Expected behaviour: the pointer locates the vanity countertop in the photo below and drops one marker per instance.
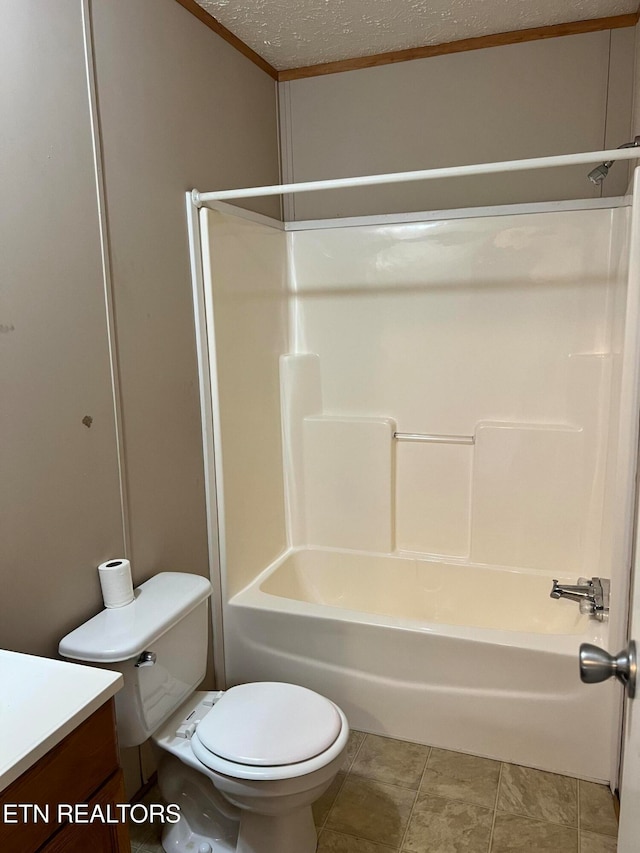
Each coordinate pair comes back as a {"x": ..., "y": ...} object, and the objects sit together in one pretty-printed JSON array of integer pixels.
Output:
[{"x": 41, "y": 702}]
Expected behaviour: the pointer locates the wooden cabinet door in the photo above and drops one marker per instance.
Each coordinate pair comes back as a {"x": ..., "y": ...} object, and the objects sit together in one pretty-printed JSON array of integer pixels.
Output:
[
  {"x": 72, "y": 772},
  {"x": 95, "y": 837}
]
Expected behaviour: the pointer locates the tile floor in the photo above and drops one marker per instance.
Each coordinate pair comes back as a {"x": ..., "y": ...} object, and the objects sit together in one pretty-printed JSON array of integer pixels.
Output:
[{"x": 398, "y": 797}]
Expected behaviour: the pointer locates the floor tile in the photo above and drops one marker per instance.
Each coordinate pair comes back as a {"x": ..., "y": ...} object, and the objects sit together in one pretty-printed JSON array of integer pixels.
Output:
[
  {"x": 321, "y": 806},
  {"x": 353, "y": 745},
  {"x": 395, "y": 762},
  {"x": 336, "y": 842},
  {"x": 461, "y": 777},
  {"x": 538, "y": 794},
  {"x": 138, "y": 832},
  {"x": 151, "y": 847},
  {"x": 447, "y": 826},
  {"x": 146, "y": 836},
  {"x": 152, "y": 841},
  {"x": 153, "y": 795},
  {"x": 514, "y": 834},
  {"x": 372, "y": 807},
  {"x": 371, "y": 810},
  {"x": 591, "y": 842},
  {"x": 597, "y": 813}
]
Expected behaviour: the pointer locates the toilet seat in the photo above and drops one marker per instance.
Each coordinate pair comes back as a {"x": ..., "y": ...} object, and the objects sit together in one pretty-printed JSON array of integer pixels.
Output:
[
  {"x": 269, "y": 723},
  {"x": 270, "y": 730}
]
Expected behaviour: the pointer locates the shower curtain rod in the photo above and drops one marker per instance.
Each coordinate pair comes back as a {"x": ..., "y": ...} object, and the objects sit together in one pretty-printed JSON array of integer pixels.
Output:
[{"x": 582, "y": 158}]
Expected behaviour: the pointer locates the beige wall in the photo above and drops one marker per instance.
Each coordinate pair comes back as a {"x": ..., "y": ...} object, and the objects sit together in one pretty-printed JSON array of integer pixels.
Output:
[
  {"x": 178, "y": 108},
  {"x": 60, "y": 501},
  {"x": 525, "y": 100},
  {"x": 635, "y": 121}
]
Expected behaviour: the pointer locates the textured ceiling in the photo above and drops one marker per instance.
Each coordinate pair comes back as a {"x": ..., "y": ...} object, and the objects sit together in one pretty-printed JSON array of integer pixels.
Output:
[{"x": 293, "y": 33}]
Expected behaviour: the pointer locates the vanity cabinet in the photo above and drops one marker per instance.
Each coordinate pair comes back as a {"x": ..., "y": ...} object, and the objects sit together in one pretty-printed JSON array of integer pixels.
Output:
[{"x": 82, "y": 768}]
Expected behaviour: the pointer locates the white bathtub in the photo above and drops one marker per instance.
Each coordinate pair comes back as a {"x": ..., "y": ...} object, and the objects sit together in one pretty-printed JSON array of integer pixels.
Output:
[{"x": 471, "y": 658}]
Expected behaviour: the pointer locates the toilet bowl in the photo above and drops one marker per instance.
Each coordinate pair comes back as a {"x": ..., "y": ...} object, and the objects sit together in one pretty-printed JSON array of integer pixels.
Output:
[
  {"x": 271, "y": 803},
  {"x": 244, "y": 765}
]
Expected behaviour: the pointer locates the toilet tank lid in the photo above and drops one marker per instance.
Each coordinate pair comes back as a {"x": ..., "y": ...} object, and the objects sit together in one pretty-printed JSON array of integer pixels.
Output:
[{"x": 120, "y": 633}]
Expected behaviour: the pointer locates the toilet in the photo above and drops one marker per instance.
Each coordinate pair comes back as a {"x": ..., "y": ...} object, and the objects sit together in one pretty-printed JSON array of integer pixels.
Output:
[{"x": 245, "y": 764}]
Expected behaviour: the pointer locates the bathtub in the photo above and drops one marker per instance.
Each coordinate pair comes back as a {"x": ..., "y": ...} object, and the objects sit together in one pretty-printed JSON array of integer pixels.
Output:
[{"x": 470, "y": 658}]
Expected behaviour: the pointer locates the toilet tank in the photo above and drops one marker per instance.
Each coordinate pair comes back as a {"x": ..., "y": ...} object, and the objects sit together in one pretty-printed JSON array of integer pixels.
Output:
[{"x": 168, "y": 620}]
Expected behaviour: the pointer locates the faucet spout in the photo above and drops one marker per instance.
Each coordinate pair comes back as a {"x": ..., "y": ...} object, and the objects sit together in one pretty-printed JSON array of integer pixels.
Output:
[{"x": 578, "y": 592}]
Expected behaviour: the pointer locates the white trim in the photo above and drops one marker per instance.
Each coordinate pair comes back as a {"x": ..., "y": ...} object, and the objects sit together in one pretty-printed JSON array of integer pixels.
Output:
[
  {"x": 107, "y": 277},
  {"x": 210, "y": 425},
  {"x": 584, "y": 158},
  {"x": 240, "y": 212},
  {"x": 461, "y": 213},
  {"x": 418, "y": 216},
  {"x": 626, "y": 475}
]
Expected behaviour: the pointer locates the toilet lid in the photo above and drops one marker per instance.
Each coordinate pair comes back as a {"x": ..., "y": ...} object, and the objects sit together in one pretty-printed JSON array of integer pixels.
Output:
[{"x": 269, "y": 724}]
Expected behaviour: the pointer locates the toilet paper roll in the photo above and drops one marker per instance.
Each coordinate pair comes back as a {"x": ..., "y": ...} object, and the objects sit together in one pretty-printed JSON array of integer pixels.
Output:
[{"x": 115, "y": 580}]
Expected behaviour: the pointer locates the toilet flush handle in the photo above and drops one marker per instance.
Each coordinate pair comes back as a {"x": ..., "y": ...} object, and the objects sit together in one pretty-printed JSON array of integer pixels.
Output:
[{"x": 146, "y": 659}]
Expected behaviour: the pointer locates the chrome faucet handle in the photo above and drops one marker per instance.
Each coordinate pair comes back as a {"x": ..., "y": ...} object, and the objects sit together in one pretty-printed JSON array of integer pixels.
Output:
[{"x": 592, "y": 595}]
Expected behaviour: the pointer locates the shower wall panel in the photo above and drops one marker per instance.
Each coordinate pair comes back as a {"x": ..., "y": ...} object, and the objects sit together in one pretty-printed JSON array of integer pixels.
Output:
[
  {"x": 301, "y": 396},
  {"x": 530, "y": 489},
  {"x": 348, "y": 477},
  {"x": 245, "y": 287},
  {"x": 435, "y": 516},
  {"x": 498, "y": 328}
]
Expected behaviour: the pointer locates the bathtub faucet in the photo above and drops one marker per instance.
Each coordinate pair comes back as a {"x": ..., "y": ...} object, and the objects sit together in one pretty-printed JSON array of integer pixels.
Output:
[{"x": 592, "y": 595}]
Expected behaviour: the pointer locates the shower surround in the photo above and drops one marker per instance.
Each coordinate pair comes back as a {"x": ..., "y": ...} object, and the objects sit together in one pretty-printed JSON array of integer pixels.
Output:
[{"x": 416, "y": 429}]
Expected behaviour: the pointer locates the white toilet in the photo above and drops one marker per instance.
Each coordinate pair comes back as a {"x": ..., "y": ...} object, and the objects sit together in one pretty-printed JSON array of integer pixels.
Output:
[{"x": 245, "y": 764}]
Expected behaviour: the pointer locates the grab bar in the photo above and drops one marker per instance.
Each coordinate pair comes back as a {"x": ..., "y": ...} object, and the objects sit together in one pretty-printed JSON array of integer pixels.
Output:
[{"x": 434, "y": 439}]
